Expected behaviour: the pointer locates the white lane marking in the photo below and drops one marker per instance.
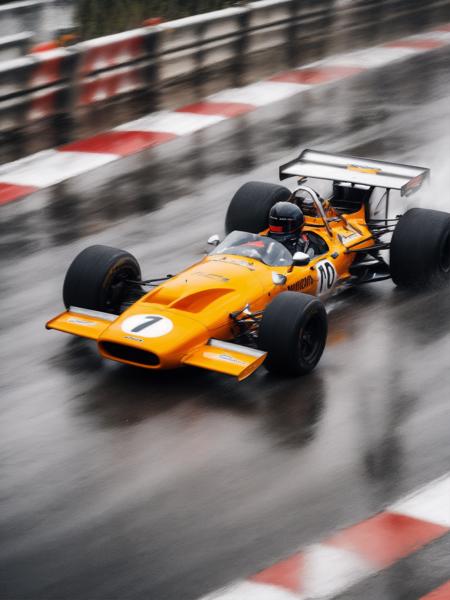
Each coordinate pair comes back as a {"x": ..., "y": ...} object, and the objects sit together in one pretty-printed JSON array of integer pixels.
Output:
[
  {"x": 329, "y": 571},
  {"x": 370, "y": 58},
  {"x": 430, "y": 503},
  {"x": 45, "y": 169},
  {"x": 260, "y": 93},
  {"x": 178, "y": 123},
  {"x": 250, "y": 590}
]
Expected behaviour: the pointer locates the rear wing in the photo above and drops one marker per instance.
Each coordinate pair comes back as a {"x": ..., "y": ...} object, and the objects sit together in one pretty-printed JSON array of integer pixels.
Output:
[{"x": 353, "y": 170}]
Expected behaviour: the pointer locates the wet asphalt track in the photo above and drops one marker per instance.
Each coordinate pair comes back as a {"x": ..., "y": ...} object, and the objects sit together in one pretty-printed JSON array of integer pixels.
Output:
[{"x": 119, "y": 483}]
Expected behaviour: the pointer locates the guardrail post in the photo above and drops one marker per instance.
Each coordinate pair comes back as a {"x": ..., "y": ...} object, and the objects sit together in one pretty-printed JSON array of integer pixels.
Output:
[
  {"x": 151, "y": 92},
  {"x": 291, "y": 33},
  {"x": 199, "y": 75},
  {"x": 63, "y": 119},
  {"x": 239, "y": 67},
  {"x": 63, "y": 123}
]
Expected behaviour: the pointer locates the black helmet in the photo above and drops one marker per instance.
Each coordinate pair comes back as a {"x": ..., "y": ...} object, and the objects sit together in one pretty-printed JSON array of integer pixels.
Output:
[{"x": 285, "y": 223}]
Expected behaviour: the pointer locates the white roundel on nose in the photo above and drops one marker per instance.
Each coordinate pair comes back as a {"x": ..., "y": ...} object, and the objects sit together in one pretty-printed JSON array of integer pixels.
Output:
[{"x": 150, "y": 326}]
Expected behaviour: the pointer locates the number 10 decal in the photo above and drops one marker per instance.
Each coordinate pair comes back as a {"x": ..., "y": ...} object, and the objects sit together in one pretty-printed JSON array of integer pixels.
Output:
[{"x": 327, "y": 276}]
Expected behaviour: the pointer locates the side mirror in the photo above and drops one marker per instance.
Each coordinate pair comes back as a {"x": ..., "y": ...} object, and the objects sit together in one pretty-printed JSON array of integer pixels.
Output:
[
  {"x": 214, "y": 240},
  {"x": 301, "y": 259},
  {"x": 279, "y": 279}
]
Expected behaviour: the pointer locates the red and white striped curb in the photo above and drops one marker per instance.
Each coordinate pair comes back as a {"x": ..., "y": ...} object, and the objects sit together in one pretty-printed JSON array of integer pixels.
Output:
[
  {"x": 50, "y": 167},
  {"x": 323, "y": 570}
]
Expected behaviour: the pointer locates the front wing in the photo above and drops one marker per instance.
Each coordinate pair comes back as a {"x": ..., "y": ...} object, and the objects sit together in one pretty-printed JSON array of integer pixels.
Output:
[
  {"x": 216, "y": 355},
  {"x": 226, "y": 357}
]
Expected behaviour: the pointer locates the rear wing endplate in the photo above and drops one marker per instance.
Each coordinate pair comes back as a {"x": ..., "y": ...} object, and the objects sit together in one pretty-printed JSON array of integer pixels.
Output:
[{"x": 354, "y": 170}]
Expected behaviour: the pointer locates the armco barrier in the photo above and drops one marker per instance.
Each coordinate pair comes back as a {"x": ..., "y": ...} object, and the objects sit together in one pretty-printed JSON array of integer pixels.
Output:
[
  {"x": 31, "y": 15},
  {"x": 192, "y": 45},
  {"x": 112, "y": 51},
  {"x": 37, "y": 89},
  {"x": 13, "y": 46},
  {"x": 65, "y": 90},
  {"x": 115, "y": 66}
]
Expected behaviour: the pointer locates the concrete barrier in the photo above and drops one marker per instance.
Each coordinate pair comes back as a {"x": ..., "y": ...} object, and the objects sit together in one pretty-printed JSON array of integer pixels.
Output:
[{"x": 66, "y": 92}]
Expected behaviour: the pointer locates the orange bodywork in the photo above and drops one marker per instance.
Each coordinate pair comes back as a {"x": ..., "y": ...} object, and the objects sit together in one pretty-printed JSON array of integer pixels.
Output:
[{"x": 186, "y": 320}]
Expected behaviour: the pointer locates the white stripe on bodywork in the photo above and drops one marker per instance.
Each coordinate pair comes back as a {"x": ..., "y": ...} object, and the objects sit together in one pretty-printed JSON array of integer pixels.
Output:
[
  {"x": 260, "y": 94},
  {"x": 236, "y": 348},
  {"x": 178, "y": 123},
  {"x": 95, "y": 314},
  {"x": 48, "y": 168}
]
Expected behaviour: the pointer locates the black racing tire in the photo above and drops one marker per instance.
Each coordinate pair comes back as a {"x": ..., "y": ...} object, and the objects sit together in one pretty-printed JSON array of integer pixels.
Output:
[
  {"x": 95, "y": 279},
  {"x": 250, "y": 206},
  {"x": 420, "y": 249},
  {"x": 293, "y": 332}
]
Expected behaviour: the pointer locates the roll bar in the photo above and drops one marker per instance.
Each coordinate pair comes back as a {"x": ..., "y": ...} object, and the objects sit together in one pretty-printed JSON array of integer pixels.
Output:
[{"x": 317, "y": 202}]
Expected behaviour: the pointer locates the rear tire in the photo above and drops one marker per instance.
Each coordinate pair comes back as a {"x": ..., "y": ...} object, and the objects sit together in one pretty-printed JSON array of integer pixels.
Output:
[
  {"x": 250, "y": 206},
  {"x": 420, "y": 249},
  {"x": 293, "y": 332},
  {"x": 96, "y": 279}
]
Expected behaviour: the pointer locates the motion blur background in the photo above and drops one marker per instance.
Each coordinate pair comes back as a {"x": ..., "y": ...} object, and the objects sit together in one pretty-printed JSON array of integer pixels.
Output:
[
  {"x": 118, "y": 483},
  {"x": 92, "y": 18}
]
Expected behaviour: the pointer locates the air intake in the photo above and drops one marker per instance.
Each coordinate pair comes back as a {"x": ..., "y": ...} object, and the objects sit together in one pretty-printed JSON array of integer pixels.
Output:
[{"x": 130, "y": 354}]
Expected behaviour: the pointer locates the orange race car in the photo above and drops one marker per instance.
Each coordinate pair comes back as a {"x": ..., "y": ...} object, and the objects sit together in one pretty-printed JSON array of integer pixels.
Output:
[{"x": 257, "y": 297}]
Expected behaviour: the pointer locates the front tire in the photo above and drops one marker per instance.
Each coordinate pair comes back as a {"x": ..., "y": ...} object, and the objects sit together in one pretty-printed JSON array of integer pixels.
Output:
[
  {"x": 420, "y": 249},
  {"x": 96, "y": 279},
  {"x": 293, "y": 332},
  {"x": 250, "y": 206}
]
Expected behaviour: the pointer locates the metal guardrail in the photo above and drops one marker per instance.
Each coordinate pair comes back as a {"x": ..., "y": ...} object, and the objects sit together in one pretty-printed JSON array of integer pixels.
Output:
[
  {"x": 38, "y": 20},
  {"x": 30, "y": 15},
  {"x": 12, "y": 46},
  {"x": 57, "y": 88}
]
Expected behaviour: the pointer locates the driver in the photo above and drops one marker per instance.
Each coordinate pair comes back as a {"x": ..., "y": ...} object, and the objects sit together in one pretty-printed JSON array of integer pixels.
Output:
[{"x": 286, "y": 222}]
